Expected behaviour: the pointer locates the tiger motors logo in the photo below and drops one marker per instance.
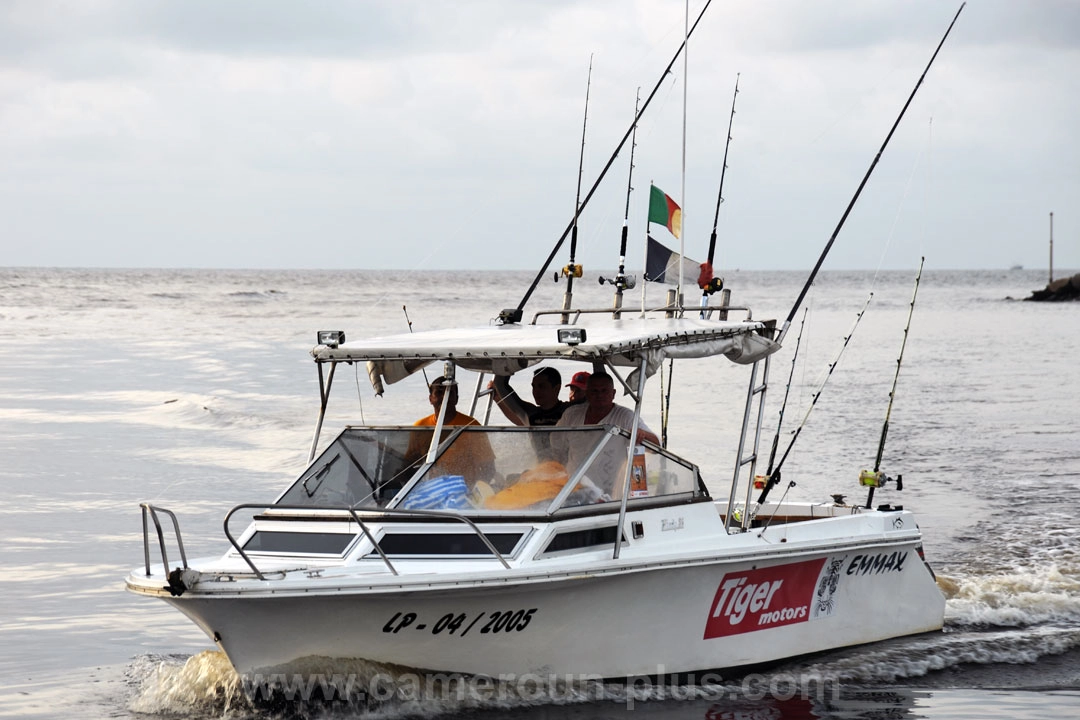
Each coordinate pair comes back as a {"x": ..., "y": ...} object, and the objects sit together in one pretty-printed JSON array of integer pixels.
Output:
[{"x": 772, "y": 597}]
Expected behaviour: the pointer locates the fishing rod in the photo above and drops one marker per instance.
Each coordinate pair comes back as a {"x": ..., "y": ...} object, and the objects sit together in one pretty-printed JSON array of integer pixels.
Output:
[
  {"x": 514, "y": 314},
  {"x": 709, "y": 283},
  {"x": 622, "y": 281},
  {"x": 787, "y": 391},
  {"x": 423, "y": 370},
  {"x": 843, "y": 218},
  {"x": 573, "y": 270},
  {"x": 877, "y": 478},
  {"x": 774, "y": 475},
  {"x": 665, "y": 403}
]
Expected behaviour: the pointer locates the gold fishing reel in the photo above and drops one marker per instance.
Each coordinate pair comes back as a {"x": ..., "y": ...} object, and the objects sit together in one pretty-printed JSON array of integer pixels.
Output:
[{"x": 571, "y": 270}]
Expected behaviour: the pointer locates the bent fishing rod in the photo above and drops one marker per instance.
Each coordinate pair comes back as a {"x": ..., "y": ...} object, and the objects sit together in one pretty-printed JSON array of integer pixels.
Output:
[
  {"x": 514, "y": 314},
  {"x": 714, "y": 284},
  {"x": 877, "y": 478},
  {"x": 844, "y": 217},
  {"x": 774, "y": 474},
  {"x": 572, "y": 269}
]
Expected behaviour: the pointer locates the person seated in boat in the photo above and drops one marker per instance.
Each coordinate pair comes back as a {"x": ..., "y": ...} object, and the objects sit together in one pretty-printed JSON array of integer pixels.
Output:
[
  {"x": 548, "y": 408},
  {"x": 470, "y": 456},
  {"x": 577, "y": 386},
  {"x": 599, "y": 408}
]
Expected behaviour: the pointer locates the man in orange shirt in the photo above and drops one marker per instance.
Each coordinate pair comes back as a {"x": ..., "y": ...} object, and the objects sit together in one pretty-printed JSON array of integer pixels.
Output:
[{"x": 470, "y": 455}]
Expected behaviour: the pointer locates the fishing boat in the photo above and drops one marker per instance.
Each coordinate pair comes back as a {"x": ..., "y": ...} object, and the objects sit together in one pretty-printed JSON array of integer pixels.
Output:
[
  {"x": 621, "y": 566},
  {"x": 589, "y": 551}
]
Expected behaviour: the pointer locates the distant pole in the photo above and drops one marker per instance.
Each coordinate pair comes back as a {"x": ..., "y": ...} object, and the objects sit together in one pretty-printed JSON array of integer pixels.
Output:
[{"x": 1051, "y": 247}]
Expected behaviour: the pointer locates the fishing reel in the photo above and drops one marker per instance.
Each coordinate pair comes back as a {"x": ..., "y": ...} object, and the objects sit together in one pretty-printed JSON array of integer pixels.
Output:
[
  {"x": 876, "y": 479},
  {"x": 570, "y": 271},
  {"x": 765, "y": 483},
  {"x": 708, "y": 282},
  {"x": 509, "y": 316},
  {"x": 620, "y": 281},
  {"x": 714, "y": 285}
]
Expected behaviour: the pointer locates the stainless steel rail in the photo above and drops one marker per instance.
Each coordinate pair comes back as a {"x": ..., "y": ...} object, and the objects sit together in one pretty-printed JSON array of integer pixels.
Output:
[
  {"x": 667, "y": 308},
  {"x": 374, "y": 513},
  {"x": 152, "y": 511}
]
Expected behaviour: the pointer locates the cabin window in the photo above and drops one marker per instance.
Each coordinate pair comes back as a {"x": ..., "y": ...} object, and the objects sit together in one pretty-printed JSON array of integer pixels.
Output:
[
  {"x": 306, "y": 543},
  {"x": 448, "y": 543},
  {"x": 581, "y": 539}
]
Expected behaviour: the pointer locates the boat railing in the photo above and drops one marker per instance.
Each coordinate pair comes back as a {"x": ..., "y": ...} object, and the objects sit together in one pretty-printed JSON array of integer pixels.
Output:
[
  {"x": 706, "y": 312},
  {"x": 354, "y": 513},
  {"x": 151, "y": 511}
]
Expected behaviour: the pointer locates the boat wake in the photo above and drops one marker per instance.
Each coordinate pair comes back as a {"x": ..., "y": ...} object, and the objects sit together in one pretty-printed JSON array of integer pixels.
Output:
[
  {"x": 205, "y": 684},
  {"x": 1041, "y": 595},
  {"x": 910, "y": 661}
]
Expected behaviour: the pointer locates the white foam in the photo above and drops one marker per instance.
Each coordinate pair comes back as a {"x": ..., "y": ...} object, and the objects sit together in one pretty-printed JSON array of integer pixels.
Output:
[
  {"x": 1041, "y": 595},
  {"x": 174, "y": 685}
]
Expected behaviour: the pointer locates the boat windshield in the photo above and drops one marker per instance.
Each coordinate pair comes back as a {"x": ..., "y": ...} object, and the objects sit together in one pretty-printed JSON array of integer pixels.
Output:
[
  {"x": 363, "y": 467},
  {"x": 494, "y": 470},
  {"x": 486, "y": 469}
]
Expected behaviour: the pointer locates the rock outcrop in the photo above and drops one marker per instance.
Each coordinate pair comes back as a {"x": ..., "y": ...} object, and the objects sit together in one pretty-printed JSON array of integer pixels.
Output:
[{"x": 1067, "y": 288}]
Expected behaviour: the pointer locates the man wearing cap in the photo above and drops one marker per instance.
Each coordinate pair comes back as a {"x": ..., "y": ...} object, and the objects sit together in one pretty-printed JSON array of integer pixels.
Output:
[
  {"x": 545, "y": 391},
  {"x": 599, "y": 409},
  {"x": 577, "y": 386}
]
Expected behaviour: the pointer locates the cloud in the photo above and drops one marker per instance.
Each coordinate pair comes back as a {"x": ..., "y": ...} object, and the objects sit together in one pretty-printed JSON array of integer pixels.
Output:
[{"x": 415, "y": 134}]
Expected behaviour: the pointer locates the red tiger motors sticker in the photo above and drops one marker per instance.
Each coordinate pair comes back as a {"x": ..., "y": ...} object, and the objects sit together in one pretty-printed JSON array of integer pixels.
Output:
[{"x": 771, "y": 597}]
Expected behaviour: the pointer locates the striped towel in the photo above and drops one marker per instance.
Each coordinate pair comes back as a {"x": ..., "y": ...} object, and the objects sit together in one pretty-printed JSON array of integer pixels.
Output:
[{"x": 446, "y": 492}]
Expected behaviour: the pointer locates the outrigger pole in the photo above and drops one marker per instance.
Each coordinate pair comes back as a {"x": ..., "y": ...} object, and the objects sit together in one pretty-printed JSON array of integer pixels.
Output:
[
  {"x": 843, "y": 218},
  {"x": 876, "y": 479},
  {"x": 514, "y": 314},
  {"x": 715, "y": 284},
  {"x": 573, "y": 270}
]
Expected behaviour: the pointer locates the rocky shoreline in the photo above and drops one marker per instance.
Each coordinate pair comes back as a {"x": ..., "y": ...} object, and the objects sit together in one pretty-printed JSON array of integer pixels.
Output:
[{"x": 1067, "y": 288}]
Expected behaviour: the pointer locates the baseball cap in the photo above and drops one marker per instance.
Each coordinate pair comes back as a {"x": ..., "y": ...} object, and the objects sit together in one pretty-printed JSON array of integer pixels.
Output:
[{"x": 580, "y": 380}]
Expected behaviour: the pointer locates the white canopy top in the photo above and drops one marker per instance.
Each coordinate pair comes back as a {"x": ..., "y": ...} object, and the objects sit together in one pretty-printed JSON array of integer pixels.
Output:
[{"x": 505, "y": 349}]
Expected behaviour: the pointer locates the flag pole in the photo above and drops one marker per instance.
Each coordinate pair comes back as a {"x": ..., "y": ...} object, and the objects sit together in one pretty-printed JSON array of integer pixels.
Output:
[
  {"x": 645, "y": 255},
  {"x": 682, "y": 198}
]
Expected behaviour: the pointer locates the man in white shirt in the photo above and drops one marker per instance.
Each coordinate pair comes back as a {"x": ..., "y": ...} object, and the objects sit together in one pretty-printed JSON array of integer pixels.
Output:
[{"x": 599, "y": 408}]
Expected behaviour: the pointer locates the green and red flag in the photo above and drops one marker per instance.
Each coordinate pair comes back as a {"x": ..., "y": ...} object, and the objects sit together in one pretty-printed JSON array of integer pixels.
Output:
[{"x": 664, "y": 211}]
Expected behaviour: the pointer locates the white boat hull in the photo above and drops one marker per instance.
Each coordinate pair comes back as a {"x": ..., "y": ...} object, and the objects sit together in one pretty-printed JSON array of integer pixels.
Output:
[{"x": 666, "y": 618}]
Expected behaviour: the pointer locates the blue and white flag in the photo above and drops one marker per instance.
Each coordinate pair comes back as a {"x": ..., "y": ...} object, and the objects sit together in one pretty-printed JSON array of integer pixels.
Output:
[{"x": 662, "y": 264}]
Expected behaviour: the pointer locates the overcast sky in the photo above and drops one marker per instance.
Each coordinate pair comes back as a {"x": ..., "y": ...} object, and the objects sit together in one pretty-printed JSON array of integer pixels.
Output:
[{"x": 428, "y": 135}]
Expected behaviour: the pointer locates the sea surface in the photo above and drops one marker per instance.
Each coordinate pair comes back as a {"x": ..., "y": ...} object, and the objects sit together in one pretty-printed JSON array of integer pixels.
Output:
[{"x": 194, "y": 389}]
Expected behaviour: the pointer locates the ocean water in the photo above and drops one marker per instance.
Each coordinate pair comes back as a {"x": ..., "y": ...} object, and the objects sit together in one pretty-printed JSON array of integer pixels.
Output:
[{"x": 194, "y": 389}]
